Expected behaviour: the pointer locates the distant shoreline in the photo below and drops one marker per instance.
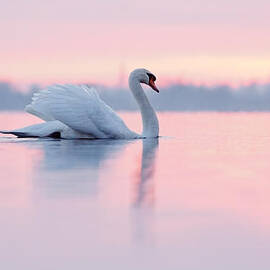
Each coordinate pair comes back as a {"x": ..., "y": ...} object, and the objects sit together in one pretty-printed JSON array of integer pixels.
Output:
[{"x": 178, "y": 98}]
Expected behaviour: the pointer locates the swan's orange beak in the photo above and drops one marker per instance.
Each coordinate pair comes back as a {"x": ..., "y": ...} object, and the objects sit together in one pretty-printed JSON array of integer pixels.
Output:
[{"x": 152, "y": 85}]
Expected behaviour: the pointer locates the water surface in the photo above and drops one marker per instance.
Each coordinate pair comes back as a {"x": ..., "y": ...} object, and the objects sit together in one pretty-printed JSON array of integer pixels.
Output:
[{"x": 196, "y": 198}]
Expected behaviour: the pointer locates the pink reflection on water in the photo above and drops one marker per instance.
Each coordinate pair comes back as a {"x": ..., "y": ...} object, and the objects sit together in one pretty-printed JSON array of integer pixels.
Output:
[{"x": 203, "y": 188}]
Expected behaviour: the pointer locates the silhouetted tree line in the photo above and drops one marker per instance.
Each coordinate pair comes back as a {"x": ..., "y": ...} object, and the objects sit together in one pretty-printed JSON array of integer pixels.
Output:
[{"x": 173, "y": 98}]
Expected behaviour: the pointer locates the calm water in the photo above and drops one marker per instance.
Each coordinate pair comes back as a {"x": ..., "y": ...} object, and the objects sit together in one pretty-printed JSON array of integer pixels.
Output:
[{"x": 196, "y": 198}]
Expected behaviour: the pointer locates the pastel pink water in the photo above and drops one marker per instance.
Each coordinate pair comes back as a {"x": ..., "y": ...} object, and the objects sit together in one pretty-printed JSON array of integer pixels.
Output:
[{"x": 196, "y": 199}]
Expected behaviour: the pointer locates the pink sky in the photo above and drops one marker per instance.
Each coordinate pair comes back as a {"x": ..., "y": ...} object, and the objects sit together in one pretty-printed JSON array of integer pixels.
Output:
[{"x": 91, "y": 41}]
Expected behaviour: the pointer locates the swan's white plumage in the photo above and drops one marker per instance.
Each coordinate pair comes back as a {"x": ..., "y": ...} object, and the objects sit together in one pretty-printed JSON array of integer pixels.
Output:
[
  {"x": 76, "y": 111},
  {"x": 80, "y": 108}
]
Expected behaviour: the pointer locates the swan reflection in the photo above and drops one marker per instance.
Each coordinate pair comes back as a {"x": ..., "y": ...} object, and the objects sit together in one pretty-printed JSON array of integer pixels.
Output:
[
  {"x": 145, "y": 187},
  {"x": 143, "y": 216},
  {"x": 94, "y": 172},
  {"x": 73, "y": 167},
  {"x": 80, "y": 154}
]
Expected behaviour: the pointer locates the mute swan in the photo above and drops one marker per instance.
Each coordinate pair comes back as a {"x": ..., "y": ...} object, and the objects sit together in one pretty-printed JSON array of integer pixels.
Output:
[{"x": 74, "y": 112}]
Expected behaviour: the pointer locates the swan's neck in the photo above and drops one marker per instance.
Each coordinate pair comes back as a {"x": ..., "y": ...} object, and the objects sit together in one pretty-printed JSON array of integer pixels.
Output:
[{"x": 149, "y": 117}]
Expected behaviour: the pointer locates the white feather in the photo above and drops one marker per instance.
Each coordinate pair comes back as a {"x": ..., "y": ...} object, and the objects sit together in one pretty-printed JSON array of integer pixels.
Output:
[
  {"x": 81, "y": 109},
  {"x": 76, "y": 111}
]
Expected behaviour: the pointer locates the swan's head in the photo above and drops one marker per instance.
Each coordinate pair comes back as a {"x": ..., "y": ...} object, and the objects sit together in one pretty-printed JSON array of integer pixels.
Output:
[{"x": 145, "y": 76}]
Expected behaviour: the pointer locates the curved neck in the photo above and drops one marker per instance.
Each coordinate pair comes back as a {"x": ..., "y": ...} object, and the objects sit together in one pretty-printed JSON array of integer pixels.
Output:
[{"x": 149, "y": 117}]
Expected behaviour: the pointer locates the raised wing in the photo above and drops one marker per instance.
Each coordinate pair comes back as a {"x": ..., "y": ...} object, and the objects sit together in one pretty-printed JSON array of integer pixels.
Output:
[{"x": 80, "y": 108}]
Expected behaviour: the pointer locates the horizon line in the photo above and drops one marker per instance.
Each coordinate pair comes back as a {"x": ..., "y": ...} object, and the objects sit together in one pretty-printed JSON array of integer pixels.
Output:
[{"x": 164, "y": 82}]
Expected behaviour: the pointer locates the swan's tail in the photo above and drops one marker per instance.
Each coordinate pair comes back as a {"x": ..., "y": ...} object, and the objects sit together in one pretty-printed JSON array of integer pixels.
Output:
[
  {"x": 18, "y": 134},
  {"x": 47, "y": 129}
]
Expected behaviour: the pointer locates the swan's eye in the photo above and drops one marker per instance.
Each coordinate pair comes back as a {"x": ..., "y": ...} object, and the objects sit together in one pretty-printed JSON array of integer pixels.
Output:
[{"x": 151, "y": 76}]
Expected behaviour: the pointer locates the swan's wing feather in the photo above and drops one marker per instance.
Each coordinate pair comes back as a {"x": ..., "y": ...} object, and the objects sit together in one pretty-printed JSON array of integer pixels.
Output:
[
  {"x": 80, "y": 108},
  {"x": 39, "y": 106}
]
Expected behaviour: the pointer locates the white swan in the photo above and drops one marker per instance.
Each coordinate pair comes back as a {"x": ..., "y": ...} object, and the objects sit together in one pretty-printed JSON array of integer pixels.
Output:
[{"x": 72, "y": 112}]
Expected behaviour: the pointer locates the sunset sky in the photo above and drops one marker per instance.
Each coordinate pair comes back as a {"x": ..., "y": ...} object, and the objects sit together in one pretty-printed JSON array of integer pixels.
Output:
[{"x": 198, "y": 41}]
